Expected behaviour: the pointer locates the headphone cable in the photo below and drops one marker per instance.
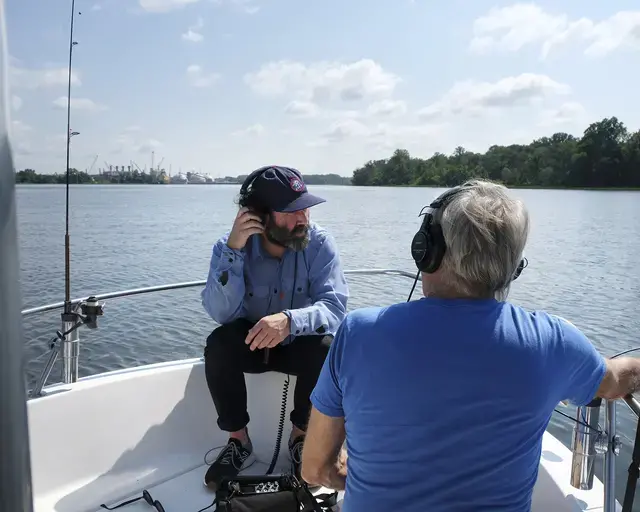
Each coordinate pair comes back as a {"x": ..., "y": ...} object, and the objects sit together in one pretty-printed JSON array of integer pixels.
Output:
[{"x": 415, "y": 282}]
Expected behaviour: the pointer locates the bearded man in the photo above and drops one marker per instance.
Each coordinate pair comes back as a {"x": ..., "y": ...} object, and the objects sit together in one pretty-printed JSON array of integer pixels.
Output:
[{"x": 277, "y": 288}]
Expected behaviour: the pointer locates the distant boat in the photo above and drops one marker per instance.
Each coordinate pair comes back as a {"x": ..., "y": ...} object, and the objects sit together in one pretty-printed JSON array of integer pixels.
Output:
[
  {"x": 197, "y": 178},
  {"x": 179, "y": 179}
]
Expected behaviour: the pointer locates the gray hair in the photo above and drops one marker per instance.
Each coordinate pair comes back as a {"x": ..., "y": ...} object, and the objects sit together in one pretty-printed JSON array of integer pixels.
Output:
[{"x": 485, "y": 231}]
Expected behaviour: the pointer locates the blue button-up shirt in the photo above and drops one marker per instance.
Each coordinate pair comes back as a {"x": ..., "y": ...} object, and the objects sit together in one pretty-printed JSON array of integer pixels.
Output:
[{"x": 252, "y": 284}]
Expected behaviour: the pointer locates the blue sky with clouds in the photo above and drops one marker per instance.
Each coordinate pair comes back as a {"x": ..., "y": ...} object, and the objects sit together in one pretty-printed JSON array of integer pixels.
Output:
[{"x": 225, "y": 86}]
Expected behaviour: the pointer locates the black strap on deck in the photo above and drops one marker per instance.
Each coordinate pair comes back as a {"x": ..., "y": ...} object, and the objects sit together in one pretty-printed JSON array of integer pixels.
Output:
[{"x": 634, "y": 473}]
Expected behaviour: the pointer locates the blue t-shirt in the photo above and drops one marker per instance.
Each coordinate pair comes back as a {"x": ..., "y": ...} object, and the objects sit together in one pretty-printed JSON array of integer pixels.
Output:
[{"x": 446, "y": 401}]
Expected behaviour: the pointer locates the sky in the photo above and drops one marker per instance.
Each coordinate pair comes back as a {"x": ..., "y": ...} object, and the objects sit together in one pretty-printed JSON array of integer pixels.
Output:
[{"x": 223, "y": 87}]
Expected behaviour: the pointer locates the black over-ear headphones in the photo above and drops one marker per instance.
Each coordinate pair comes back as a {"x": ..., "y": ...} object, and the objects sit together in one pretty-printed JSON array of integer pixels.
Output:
[
  {"x": 428, "y": 246},
  {"x": 252, "y": 177}
]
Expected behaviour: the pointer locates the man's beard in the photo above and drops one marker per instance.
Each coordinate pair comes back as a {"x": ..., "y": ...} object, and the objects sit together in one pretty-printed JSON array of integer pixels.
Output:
[{"x": 296, "y": 239}]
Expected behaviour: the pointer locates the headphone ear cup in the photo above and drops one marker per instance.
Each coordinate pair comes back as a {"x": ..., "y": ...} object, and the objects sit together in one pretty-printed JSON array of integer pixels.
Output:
[
  {"x": 436, "y": 249},
  {"x": 521, "y": 266}
]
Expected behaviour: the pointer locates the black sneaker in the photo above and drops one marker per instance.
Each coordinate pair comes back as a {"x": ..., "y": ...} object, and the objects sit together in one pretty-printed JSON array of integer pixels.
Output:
[
  {"x": 230, "y": 461},
  {"x": 295, "y": 452}
]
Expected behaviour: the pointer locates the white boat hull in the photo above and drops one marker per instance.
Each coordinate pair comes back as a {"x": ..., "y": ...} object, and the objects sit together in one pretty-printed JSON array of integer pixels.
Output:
[{"x": 108, "y": 437}]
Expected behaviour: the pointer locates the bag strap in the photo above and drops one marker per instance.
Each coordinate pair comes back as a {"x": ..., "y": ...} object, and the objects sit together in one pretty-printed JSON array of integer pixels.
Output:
[{"x": 320, "y": 502}]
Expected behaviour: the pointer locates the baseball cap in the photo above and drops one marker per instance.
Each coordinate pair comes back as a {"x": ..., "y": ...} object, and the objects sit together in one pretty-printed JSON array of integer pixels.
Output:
[{"x": 280, "y": 189}]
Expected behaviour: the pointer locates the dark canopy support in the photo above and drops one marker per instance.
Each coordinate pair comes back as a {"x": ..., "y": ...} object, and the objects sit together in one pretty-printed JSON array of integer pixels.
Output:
[{"x": 15, "y": 464}]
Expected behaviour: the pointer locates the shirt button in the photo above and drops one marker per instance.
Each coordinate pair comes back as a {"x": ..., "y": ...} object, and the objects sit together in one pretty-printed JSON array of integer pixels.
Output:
[
  {"x": 275, "y": 290},
  {"x": 230, "y": 260}
]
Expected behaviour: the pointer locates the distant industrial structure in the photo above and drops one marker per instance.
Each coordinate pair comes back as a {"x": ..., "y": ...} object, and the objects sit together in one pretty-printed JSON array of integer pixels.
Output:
[{"x": 133, "y": 173}]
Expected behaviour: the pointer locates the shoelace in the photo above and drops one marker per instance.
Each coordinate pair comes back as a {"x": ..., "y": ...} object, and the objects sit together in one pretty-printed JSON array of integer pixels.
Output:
[
  {"x": 230, "y": 453},
  {"x": 296, "y": 452}
]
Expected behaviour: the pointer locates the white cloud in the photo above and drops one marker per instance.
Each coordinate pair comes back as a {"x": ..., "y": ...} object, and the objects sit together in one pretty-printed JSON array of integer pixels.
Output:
[
  {"x": 198, "y": 78},
  {"x": 321, "y": 82},
  {"x": 20, "y": 127},
  {"x": 41, "y": 78},
  {"x": 128, "y": 142},
  {"x": 79, "y": 104},
  {"x": 255, "y": 130},
  {"x": 193, "y": 33},
  {"x": 387, "y": 108},
  {"x": 16, "y": 102},
  {"x": 513, "y": 27},
  {"x": 20, "y": 138},
  {"x": 148, "y": 145},
  {"x": 298, "y": 108},
  {"x": 473, "y": 98},
  {"x": 246, "y": 6},
  {"x": 164, "y": 5},
  {"x": 569, "y": 112},
  {"x": 345, "y": 129}
]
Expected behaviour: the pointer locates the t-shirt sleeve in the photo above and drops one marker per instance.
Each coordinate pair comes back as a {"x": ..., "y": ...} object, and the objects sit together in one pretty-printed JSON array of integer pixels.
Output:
[
  {"x": 581, "y": 365},
  {"x": 327, "y": 394}
]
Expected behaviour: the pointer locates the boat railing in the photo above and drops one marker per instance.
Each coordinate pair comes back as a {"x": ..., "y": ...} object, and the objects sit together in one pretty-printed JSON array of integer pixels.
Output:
[
  {"x": 86, "y": 310},
  {"x": 589, "y": 441}
]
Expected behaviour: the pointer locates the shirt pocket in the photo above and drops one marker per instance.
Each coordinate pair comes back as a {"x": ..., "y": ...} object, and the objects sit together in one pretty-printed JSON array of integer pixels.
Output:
[{"x": 257, "y": 292}]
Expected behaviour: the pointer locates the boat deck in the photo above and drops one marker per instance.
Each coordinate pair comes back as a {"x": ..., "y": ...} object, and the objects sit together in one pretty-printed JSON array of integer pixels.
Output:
[
  {"x": 187, "y": 493},
  {"x": 107, "y": 437}
]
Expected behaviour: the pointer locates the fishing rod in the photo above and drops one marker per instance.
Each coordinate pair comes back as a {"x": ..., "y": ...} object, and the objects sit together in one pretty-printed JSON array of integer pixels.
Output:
[
  {"x": 67, "y": 242},
  {"x": 15, "y": 462}
]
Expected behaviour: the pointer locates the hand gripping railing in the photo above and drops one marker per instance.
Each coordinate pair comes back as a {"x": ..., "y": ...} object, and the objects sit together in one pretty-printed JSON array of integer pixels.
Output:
[
  {"x": 86, "y": 310},
  {"x": 590, "y": 441}
]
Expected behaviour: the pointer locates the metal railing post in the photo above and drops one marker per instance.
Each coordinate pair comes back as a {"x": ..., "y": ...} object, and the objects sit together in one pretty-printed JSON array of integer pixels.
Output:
[
  {"x": 70, "y": 349},
  {"x": 613, "y": 449},
  {"x": 584, "y": 445}
]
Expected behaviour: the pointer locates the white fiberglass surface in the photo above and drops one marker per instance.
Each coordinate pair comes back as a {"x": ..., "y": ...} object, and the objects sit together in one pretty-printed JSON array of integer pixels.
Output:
[{"x": 107, "y": 437}]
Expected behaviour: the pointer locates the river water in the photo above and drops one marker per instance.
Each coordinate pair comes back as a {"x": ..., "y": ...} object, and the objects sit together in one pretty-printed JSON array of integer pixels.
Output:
[{"x": 582, "y": 255}]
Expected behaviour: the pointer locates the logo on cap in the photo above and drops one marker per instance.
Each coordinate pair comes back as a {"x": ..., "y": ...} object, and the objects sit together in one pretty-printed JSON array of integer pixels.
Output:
[{"x": 296, "y": 185}]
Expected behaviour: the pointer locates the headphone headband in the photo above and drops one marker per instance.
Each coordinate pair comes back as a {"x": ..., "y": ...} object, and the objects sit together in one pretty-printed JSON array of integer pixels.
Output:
[
  {"x": 428, "y": 246},
  {"x": 252, "y": 177}
]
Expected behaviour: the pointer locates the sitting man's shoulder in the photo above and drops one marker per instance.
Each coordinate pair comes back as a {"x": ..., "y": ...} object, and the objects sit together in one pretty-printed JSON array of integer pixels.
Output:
[
  {"x": 539, "y": 323},
  {"x": 318, "y": 234},
  {"x": 321, "y": 241},
  {"x": 362, "y": 320}
]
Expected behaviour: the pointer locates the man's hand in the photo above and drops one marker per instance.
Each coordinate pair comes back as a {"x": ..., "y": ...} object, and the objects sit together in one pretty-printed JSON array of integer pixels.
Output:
[
  {"x": 341, "y": 464},
  {"x": 268, "y": 332},
  {"x": 247, "y": 223}
]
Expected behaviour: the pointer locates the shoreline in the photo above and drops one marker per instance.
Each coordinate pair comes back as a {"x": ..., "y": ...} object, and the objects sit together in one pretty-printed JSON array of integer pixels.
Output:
[{"x": 517, "y": 187}]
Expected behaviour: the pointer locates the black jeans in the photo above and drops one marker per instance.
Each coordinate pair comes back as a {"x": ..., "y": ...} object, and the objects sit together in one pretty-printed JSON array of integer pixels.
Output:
[{"x": 227, "y": 357}]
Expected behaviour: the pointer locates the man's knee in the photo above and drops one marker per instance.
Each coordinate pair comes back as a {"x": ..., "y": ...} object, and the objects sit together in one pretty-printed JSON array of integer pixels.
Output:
[
  {"x": 319, "y": 352},
  {"x": 225, "y": 337}
]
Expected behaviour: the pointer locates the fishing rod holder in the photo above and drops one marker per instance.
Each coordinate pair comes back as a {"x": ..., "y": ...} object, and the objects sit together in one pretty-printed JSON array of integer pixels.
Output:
[
  {"x": 589, "y": 442},
  {"x": 67, "y": 341},
  {"x": 71, "y": 320},
  {"x": 586, "y": 444}
]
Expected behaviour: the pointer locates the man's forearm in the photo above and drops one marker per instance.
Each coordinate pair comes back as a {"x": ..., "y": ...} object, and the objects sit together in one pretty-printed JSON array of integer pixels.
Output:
[
  {"x": 629, "y": 376},
  {"x": 223, "y": 295},
  {"x": 334, "y": 477},
  {"x": 322, "y": 317},
  {"x": 622, "y": 378}
]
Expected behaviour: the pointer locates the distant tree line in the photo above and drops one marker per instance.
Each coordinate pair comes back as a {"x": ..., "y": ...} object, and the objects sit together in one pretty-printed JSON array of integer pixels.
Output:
[
  {"x": 30, "y": 176},
  {"x": 606, "y": 156}
]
